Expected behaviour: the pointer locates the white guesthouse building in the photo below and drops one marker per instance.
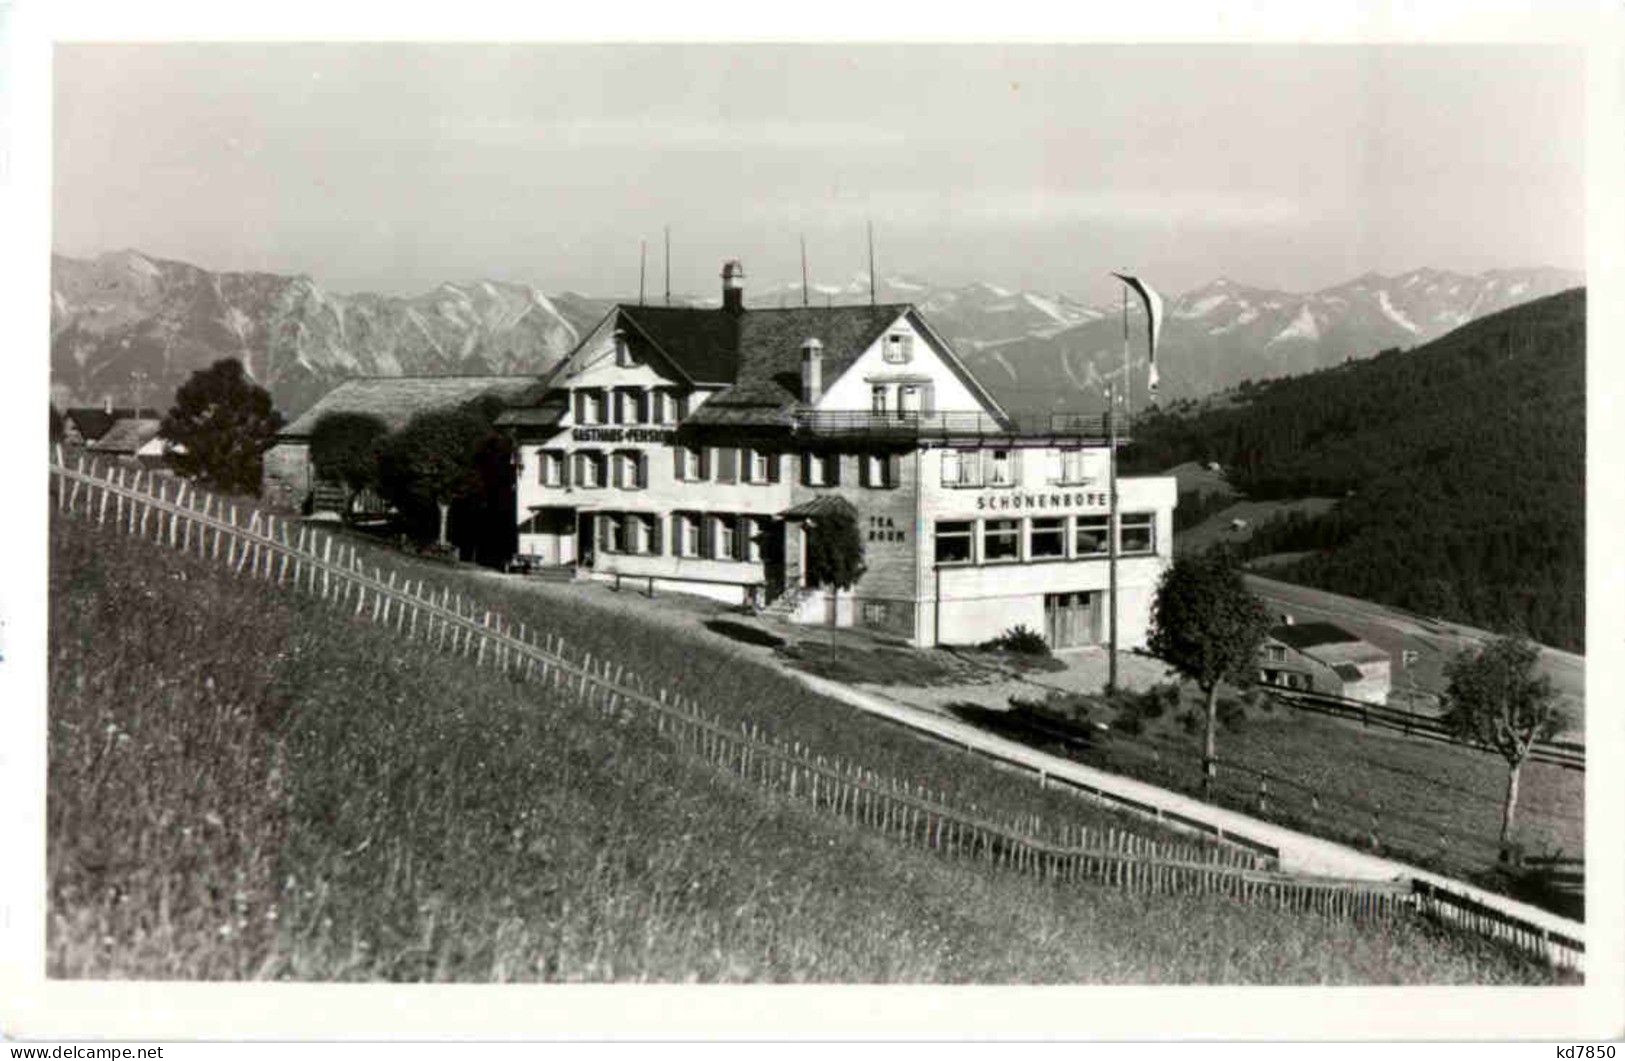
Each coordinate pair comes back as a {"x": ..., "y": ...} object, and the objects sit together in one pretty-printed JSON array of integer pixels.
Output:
[{"x": 690, "y": 449}]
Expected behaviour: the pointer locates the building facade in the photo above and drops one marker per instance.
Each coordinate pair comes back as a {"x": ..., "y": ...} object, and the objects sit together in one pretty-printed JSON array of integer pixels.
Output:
[
  {"x": 1324, "y": 658},
  {"x": 697, "y": 449}
]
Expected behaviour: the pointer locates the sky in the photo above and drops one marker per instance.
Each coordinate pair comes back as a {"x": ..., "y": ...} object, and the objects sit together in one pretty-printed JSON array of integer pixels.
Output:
[{"x": 392, "y": 167}]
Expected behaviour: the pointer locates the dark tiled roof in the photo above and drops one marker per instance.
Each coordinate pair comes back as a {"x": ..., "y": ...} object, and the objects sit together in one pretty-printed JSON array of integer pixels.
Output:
[
  {"x": 1308, "y": 635},
  {"x": 92, "y": 422},
  {"x": 822, "y": 505},
  {"x": 1348, "y": 672},
  {"x": 127, "y": 436},
  {"x": 396, "y": 399},
  {"x": 545, "y": 415},
  {"x": 759, "y": 350}
]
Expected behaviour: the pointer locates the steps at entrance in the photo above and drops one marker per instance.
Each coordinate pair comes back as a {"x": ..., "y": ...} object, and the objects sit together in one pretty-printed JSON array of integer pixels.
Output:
[{"x": 786, "y": 604}]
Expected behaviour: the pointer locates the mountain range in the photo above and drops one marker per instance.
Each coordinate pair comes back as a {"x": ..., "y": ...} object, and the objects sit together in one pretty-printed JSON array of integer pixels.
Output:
[{"x": 132, "y": 327}]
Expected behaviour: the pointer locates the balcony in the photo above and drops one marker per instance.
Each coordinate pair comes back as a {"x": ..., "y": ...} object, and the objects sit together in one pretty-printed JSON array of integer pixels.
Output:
[{"x": 1070, "y": 428}]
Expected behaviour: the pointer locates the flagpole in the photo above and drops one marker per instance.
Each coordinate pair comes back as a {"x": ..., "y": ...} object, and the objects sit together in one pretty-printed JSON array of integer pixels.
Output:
[
  {"x": 1128, "y": 390},
  {"x": 1111, "y": 540}
]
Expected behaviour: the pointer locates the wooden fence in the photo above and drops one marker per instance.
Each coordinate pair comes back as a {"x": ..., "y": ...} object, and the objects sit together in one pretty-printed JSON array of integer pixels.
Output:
[
  {"x": 292, "y": 554},
  {"x": 1567, "y": 754}
]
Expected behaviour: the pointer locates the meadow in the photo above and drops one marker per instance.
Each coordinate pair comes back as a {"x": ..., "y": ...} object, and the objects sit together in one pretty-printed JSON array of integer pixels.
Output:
[{"x": 244, "y": 783}]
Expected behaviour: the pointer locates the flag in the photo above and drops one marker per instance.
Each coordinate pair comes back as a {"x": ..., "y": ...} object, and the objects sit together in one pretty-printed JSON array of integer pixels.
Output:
[{"x": 1153, "y": 313}]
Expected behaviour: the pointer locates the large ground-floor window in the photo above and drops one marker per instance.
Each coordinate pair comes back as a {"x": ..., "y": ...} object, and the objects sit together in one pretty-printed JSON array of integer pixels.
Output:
[{"x": 1041, "y": 538}]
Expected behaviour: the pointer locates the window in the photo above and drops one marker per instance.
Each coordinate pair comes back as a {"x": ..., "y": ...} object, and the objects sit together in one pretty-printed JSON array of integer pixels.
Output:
[
  {"x": 662, "y": 406},
  {"x": 954, "y": 542},
  {"x": 1276, "y": 653},
  {"x": 685, "y": 531},
  {"x": 623, "y": 351},
  {"x": 589, "y": 469},
  {"x": 1001, "y": 467},
  {"x": 1091, "y": 536},
  {"x": 643, "y": 534},
  {"x": 690, "y": 465},
  {"x": 727, "y": 464},
  {"x": 725, "y": 537},
  {"x": 589, "y": 406},
  {"x": 612, "y": 532},
  {"x": 880, "y": 471},
  {"x": 1138, "y": 533},
  {"x": 754, "y": 532},
  {"x": 898, "y": 348},
  {"x": 552, "y": 468},
  {"x": 1048, "y": 539},
  {"x": 760, "y": 467},
  {"x": 1001, "y": 540},
  {"x": 877, "y": 399},
  {"x": 961, "y": 467},
  {"x": 821, "y": 469},
  {"x": 628, "y": 405},
  {"x": 631, "y": 469},
  {"x": 1071, "y": 467},
  {"x": 876, "y": 613}
]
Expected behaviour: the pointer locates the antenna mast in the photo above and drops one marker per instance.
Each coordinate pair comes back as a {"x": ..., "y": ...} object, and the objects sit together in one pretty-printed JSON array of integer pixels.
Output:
[
  {"x": 804, "y": 295},
  {"x": 871, "y": 263},
  {"x": 668, "y": 265},
  {"x": 643, "y": 256}
]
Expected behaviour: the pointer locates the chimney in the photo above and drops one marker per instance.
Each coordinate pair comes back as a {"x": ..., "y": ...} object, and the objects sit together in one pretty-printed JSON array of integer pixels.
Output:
[
  {"x": 733, "y": 286},
  {"x": 107, "y": 404},
  {"x": 812, "y": 371},
  {"x": 1286, "y": 618}
]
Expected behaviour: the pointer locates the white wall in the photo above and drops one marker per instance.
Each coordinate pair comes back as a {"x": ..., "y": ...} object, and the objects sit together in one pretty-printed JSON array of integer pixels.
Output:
[{"x": 851, "y": 391}]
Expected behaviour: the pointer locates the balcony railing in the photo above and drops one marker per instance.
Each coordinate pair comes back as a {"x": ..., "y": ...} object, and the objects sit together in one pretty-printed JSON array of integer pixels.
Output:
[{"x": 950, "y": 425}]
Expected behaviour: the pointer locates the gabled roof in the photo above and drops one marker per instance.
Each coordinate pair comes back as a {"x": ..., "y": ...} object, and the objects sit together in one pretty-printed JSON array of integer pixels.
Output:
[
  {"x": 92, "y": 422},
  {"x": 549, "y": 413},
  {"x": 1307, "y": 635},
  {"x": 396, "y": 399},
  {"x": 127, "y": 436},
  {"x": 821, "y": 505}
]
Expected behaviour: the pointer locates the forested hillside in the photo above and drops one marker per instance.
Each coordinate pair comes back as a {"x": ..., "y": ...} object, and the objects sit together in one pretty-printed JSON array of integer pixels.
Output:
[{"x": 1460, "y": 464}]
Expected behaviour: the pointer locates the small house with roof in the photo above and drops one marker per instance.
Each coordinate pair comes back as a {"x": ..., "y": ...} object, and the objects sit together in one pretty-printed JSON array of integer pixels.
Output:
[
  {"x": 289, "y": 479},
  {"x": 1324, "y": 658},
  {"x": 694, "y": 449},
  {"x": 134, "y": 440},
  {"x": 82, "y": 425}
]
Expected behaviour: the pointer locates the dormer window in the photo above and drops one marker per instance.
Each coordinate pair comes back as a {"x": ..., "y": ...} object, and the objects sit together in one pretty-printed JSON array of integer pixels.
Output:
[
  {"x": 623, "y": 351},
  {"x": 898, "y": 348}
]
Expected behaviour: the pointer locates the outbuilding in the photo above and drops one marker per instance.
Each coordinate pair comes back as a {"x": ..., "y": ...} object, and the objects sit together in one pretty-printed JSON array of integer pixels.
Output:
[{"x": 1324, "y": 658}]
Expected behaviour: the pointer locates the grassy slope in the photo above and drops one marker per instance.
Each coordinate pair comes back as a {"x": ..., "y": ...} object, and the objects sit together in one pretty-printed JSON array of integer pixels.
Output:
[{"x": 245, "y": 784}]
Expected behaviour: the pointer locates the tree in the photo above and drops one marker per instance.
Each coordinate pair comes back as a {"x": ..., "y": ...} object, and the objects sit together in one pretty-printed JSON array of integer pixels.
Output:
[
  {"x": 221, "y": 425},
  {"x": 1494, "y": 697},
  {"x": 432, "y": 462},
  {"x": 1207, "y": 626},
  {"x": 344, "y": 448},
  {"x": 835, "y": 548}
]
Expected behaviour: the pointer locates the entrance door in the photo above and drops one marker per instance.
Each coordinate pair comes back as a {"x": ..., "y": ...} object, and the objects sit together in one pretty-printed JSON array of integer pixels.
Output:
[
  {"x": 1069, "y": 619},
  {"x": 773, "y": 549},
  {"x": 584, "y": 539}
]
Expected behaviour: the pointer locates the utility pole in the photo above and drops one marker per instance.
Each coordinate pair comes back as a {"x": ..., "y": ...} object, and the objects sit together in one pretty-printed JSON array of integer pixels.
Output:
[
  {"x": 1111, "y": 539},
  {"x": 1128, "y": 389}
]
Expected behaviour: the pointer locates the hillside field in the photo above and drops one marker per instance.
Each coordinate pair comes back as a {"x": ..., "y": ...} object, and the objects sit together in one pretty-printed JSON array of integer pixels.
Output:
[{"x": 274, "y": 790}]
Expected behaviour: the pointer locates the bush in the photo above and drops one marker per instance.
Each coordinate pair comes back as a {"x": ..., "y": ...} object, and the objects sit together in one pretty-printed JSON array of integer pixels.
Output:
[
  {"x": 1189, "y": 722},
  {"x": 1129, "y": 723},
  {"x": 1020, "y": 639},
  {"x": 1232, "y": 713}
]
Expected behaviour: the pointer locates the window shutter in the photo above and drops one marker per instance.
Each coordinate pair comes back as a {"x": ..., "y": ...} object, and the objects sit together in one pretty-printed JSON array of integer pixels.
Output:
[
  {"x": 564, "y": 469},
  {"x": 1056, "y": 459},
  {"x": 775, "y": 470},
  {"x": 928, "y": 399},
  {"x": 657, "y": 534},
  {"x": 727, "y": 464},
  {"x": 643, "y": 471},
  {"x": 603, "y": 533},
  {"x": 950, "y": 467},
  {"x": 865, "y": 464},
  {"x": 806, "y": 469},
  {"x": 894, "y": 470},
  {"x": 1015, "y": 467},
  {"x": 678, "y": 456},
  {"x": 705, "y": 464},
  {"x": 615, "y": 466},
  {"x": 832, "y": 465},
  {"x": 706, "y": 537},
  {"x": 742, "y": 537}
]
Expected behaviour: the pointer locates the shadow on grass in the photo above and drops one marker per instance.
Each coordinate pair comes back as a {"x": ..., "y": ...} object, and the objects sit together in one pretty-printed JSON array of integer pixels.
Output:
[{"x": 748, "y": 635}]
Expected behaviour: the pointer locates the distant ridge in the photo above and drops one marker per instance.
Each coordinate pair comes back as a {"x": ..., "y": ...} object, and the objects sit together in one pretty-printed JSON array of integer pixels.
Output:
[{"x": 132, "y": 327}]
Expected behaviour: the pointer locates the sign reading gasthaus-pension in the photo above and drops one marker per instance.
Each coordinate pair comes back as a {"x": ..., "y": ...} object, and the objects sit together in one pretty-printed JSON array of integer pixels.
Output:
[{"x": 1056, "y": 500}]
